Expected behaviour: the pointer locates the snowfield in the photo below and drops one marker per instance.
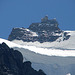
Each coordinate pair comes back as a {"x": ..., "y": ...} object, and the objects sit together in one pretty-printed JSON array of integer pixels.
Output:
[
  {"x": 40, "y": 50},
  {"x": 56, "y": 58}
]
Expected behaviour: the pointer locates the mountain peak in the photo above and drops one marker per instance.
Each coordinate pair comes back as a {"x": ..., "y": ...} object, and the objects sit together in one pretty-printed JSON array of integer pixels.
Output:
[
  {"x": 45, "y": 31},
  {"x": 50, "y": 21},
  {"x": 45, "y": 24}
]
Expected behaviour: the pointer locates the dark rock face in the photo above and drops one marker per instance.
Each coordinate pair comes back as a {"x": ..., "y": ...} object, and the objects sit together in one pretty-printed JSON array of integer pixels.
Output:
[
  {"x": 46, "y": 31},
  {"x": 11, "y": 63},
  {"x": 45, "y": 25}
]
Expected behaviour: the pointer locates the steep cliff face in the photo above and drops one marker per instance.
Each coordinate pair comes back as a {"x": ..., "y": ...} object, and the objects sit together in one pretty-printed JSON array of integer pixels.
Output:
[
  {"x": 11, "y": 63},
  {"x": 46, "y": 31}
]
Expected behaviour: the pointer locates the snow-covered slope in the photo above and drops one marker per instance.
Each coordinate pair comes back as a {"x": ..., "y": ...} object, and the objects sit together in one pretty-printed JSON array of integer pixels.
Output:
[
  {"x": 43, "y": 51},
  {"x": 57, "y": 58}
]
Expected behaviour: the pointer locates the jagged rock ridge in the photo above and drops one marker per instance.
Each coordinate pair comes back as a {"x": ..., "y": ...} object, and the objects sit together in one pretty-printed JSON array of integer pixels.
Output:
[
  {"x": 46, "y": 31},
  {"x": 11, "y": 63}
]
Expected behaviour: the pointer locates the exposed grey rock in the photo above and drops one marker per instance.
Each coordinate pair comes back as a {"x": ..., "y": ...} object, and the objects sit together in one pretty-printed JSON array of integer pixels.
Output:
[{"x": 45, "y": 32}]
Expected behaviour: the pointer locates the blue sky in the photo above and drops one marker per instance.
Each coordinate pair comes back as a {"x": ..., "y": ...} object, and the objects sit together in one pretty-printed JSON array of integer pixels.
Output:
[{"x": 21, "y": 13}]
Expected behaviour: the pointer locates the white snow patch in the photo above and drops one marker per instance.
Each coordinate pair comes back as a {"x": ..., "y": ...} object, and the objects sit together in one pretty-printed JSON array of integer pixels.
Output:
[
  {"x": 68, "y": 74},
  {"x": 27, "y": 29},
  {"x": 33, "y": 33}
]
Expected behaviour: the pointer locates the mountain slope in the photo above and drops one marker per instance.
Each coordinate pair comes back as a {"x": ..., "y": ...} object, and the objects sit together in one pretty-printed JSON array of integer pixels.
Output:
[
  {"x": 11, "y": 63},
  {"x": 58, "y": 62},
  {"x": 58, "y": 44},
  {"x": 43, "y": 51}
]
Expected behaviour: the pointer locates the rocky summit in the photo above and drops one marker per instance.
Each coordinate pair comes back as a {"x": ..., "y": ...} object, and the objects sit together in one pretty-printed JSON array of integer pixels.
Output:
[{"x": 45, "y": 31}]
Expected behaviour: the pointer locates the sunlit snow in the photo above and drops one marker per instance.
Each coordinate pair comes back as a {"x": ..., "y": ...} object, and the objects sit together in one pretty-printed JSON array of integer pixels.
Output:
[{"x": 50, "y": 49}]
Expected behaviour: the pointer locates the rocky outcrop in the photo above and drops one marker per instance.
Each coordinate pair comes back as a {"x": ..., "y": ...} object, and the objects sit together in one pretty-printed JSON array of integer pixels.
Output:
[
  {"x": 45, "y": 25},
  {"x": 11, "y": 63},
  {"x": 45, "y": 31}
]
